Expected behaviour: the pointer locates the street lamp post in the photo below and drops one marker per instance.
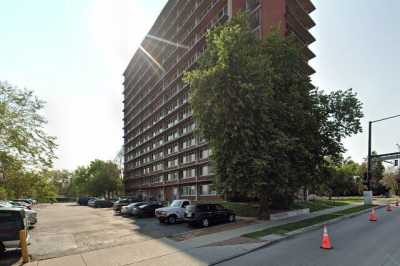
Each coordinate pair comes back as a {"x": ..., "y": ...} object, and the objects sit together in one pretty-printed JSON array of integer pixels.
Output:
[{"x": 369, "y": 166}]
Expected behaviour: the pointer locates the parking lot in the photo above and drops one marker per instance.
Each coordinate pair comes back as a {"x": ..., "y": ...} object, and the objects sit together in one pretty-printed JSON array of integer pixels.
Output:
[{"x": 67, "y": 228}]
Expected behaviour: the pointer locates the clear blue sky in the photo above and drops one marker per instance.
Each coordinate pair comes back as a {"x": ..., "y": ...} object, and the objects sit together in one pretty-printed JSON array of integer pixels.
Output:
[{"x": 72, "y": 54}]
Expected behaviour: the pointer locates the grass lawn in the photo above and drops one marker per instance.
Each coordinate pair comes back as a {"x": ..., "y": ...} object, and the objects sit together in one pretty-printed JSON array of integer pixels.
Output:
[
  {"x": 245, "y": 209},
  {"x": 282, "y": 229},
  {"x": 350, "y": 200},
  {"x": 317, "y": 205},
  {"x": 250, "y": 209}
]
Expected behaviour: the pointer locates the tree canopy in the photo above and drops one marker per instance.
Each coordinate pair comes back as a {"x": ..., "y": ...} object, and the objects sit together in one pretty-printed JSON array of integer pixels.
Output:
[
  {"x": 26, "y": 151},
  {"x": 269, "y": 128},
  {"x": 22, "y": 134},
  {"x": 99, "y": 178}
]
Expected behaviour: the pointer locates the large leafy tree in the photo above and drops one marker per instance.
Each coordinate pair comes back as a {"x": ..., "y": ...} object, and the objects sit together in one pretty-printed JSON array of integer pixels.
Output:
[
  {"x": 342, "y": 179},
  {"x": 99, "y": 178},
  {"x": 269, "y": 128},
  {"x": 25, "y": 148},
  {"x": 104, "y": 177},
  {"x": 22, "y": 135}
]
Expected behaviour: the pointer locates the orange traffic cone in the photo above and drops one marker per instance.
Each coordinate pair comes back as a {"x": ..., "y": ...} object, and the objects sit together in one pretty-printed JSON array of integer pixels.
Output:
[
  {"x": 373, "y": 217},
  {"x": 388, "y": 208},
  {"x": 326, "y": 241}
]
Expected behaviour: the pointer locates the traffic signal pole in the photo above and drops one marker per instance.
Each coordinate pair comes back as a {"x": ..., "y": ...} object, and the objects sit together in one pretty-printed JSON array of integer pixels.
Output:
[
  {"x": 369, "y": 155},
  {"x": 369, "y": 159}
]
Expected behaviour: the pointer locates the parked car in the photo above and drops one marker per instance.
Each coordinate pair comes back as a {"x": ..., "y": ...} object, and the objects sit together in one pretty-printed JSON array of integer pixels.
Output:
[
  {"x": 127, "y": 210},
  {"x": 205, "y": 214},
  {"x": 24, "y": 202},
  {"x": 83, "y": 201},
  {"x": 12, "y": 220},
  {"x": 100, "y": 203},
  {"x": 173, "y": 213},
  {"x": 21, "y": 204},
  {"x": 91, "y": 202},
  {"x": 146, "y": 210},
  {"x": 123, "y": 202},
  {"x": 31, "y": 215}
]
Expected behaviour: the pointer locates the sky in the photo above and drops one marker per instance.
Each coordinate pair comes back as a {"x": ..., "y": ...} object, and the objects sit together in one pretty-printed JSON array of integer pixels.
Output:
[{"x": 72, "y": 54}]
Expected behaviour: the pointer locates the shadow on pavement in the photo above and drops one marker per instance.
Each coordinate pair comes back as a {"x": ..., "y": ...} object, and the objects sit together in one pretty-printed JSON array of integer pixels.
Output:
[{"x": 10, "y": 257}]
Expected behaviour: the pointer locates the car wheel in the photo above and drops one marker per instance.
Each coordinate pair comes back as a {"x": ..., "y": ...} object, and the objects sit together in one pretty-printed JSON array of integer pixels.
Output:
[
  {"x": 231, "y": 218},
  {"x": 205, "y": 222},
  {"x": 172, "y": 219}
]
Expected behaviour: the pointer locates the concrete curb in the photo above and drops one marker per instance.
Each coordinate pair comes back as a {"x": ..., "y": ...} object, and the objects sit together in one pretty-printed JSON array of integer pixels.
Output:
[{"x": 297, "y": 232}]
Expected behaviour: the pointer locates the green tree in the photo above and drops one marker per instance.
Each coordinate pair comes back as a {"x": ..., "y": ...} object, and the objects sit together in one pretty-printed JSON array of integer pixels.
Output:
[
  {"x": 25, "y": 148},
  {"x": 3, "y": 193},
  {"x": 44, "y": 189},
  {"x": 391, "y": 182},
  {"x": 21, "y": 128},
  {"x": 376, "y": 175},
  {"x": 342, "y": 179},
  {"x": 268, "y": 127},
  {"x": 104, "y": 178},
  {"x": 100, "y": 178},
  {"x": 80, "y": 181},
  {"x": 61, "y": 180}
]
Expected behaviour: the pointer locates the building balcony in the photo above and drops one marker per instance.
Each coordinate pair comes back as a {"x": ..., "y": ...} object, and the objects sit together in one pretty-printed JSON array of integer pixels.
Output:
[
  {"x": 302, "y": 33},
  {"x": 308, "y": 54},
  {"x": 307, "y": 5},
  {"x": 300, "y": 14}
]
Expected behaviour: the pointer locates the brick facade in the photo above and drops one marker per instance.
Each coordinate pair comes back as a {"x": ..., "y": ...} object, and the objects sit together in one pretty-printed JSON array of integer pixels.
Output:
[{"x": 163, "y": 158}]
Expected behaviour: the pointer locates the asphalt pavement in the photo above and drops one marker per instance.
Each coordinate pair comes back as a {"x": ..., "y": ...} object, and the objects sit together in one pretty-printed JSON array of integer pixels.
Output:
[{"x": 356, "y": 241}]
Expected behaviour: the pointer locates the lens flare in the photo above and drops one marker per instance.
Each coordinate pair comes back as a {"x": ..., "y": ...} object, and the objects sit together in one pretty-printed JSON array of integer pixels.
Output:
[
  {"x": 151, "y": 58},
  {"x": 166, "y": 41}
]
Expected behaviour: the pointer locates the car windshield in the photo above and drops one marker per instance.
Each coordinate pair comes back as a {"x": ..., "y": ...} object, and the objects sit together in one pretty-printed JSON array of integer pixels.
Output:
[
  {"x": 176, "y": 203},
  {"x": 5, "y": 204},
  {"x": 136, "y": 204}
]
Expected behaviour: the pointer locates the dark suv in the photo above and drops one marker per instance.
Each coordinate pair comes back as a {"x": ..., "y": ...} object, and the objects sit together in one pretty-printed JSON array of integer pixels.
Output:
[
  {"x": 117, "y": 206},
  {"x": 205, "y": 214},
  {"x": 12, "y": 220}
]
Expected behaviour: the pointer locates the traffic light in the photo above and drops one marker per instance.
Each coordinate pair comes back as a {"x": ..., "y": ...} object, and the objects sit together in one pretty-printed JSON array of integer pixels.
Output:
[{"x": 396, "y": 162}]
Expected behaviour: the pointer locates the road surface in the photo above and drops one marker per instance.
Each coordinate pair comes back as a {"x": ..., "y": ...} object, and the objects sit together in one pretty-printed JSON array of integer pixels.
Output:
[{"x": 356, "y": 242}]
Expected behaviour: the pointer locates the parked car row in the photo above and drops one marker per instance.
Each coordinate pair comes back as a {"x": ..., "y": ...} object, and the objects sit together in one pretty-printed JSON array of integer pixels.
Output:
[{"x": 203, "y": 214}]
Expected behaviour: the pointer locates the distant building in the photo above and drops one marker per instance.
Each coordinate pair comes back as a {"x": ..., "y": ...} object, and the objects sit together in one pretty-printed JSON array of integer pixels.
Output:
[{"x": 163, "y": 159}]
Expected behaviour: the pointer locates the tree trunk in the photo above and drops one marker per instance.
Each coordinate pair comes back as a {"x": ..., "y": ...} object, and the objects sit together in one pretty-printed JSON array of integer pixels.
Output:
[
  {"x": 264, "y": 212},
  {"x": 305, "y": 193}
]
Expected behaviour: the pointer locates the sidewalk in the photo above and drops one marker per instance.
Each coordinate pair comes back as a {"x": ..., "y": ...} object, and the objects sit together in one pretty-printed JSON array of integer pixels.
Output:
[{"x": 165, "y": 251}]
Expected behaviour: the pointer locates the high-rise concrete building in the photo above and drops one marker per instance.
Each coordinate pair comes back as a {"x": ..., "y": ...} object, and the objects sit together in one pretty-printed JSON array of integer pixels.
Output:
[{"x": 163, "y": 158}]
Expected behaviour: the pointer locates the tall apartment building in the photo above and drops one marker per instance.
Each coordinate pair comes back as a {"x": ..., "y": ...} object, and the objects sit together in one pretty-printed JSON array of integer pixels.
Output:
[{"x": 163, "y": 158}]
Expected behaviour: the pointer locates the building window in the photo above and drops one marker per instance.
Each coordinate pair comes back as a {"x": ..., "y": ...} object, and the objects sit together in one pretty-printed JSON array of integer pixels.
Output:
[
  {"x": 208, "y": 189},
  {"x": 189, "y": 158},
  {"x": 205, "y": 170},
  {"x": 189, "y": 191},
  {"x": 175, "y": 192},
  {"x": 205, "y": 153},
  {"x": 173, "y": 176},
  {"x": 189, "y": 173},
  {"x": 173, "y": 163}
]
